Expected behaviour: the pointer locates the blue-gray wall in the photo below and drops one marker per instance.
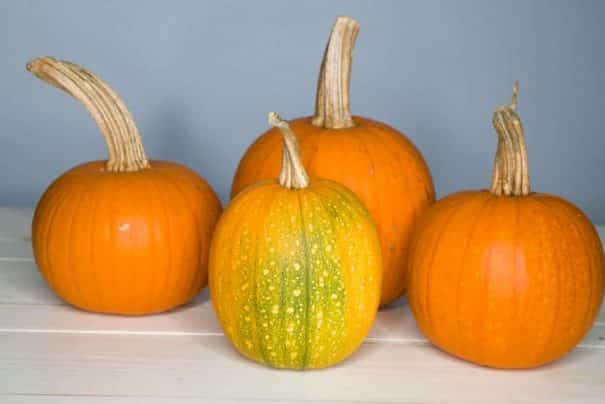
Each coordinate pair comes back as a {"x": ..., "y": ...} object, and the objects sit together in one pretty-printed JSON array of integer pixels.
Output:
[{"x": 200, "y": 77}]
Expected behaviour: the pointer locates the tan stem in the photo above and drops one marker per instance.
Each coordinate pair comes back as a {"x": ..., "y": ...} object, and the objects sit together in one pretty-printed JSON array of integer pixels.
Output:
[
  {"x": 510, "y": 176},
  {"x": 332, "y": 109},
  {"x": 293, "y": 174},
  {"x": 121, "y": 135}
]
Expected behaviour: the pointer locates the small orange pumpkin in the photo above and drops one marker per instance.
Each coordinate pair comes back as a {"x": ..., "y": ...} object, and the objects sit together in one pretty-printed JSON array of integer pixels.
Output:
[
  {"x": 506, "y": 278},
  {"x": 127, "y": 235},
  {"x": 295, "y": 268},
  {"x": 383, "y": 168}
]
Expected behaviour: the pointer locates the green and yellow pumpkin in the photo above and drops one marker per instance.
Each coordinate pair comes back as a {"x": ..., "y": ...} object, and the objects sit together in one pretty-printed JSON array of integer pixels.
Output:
[{"x": 295, "y": 268}]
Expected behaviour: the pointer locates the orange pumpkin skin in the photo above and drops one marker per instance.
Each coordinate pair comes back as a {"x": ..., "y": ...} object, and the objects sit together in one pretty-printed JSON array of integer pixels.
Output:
[
  {"x": 507, "y": 282},
  {"x": 125, "y": 243},
  {"x": 383, "y": 168}
]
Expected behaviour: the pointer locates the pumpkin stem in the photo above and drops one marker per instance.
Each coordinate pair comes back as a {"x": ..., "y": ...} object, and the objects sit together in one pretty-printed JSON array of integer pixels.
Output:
[
  {"x": 510, "y": 175},
  {"x": 332, "y": 110},
  {"x": 123, "y": 140},
  {"x": 293, "y": 174}
]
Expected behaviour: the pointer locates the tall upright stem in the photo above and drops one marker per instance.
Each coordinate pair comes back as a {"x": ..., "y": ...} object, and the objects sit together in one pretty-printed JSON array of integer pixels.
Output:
[
  {"x": 332, "y": 109},
  {"x": 121, "y": 135},
  {"x": 510, "y": 176},
  {"x": 293, "y": 174}
]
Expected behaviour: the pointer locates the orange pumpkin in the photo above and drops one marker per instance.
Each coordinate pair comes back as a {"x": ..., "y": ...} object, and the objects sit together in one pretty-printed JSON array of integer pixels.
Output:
[
  {"x": 383, "y": 168},
  {"x": 127, "y": 235},
  {"x": 295, "y": 268},
  {"x": 506, "y": 278}
]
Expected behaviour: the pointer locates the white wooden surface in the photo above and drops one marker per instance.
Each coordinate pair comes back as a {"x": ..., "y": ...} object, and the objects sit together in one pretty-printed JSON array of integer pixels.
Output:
[{"x": 53, "y": 353}]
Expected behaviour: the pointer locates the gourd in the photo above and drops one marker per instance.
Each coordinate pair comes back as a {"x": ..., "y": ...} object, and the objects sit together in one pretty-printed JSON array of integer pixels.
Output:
[
  {"x": 505, "y": 277},
  {"x": 127, "y": 235},
  {"x": 378, "y": 163},
  {"x": 295, "y": 268}
]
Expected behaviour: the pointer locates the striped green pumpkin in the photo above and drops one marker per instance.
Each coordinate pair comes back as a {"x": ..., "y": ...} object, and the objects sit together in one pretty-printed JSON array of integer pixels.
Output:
[{"x": 295, "y": 269}]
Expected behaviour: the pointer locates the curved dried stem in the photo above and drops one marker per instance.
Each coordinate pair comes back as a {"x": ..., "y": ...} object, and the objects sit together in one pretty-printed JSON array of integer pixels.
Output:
[
  {"x": 293, "y": 174},
  {"x": 332, "y": 109},
  {"x": 510, "y": 176},
  {"x": 121, "y": 135}
]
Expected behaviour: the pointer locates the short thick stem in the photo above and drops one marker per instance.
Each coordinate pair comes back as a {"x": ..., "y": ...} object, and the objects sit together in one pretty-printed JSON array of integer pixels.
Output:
[
  {"x": 332, "y": 109},
  {"x": 510, "y": 175},
  {"x": 293, "y": 174},
  {"x": 121, "y": 135}
]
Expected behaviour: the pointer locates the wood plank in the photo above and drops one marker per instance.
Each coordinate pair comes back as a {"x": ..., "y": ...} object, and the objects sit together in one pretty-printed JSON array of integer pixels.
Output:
[
  {"x": 15, "y": 223},
  {"x": 85, "y": 399},
  {"x": 51, "y": 352},
  {"x": 23, "y": 290},
  {"x": 197, "y": 319},
  {"x": 207, "y": 367},
  {"x": 20, "y": 282},
  {"x": 16, "y": 250}
]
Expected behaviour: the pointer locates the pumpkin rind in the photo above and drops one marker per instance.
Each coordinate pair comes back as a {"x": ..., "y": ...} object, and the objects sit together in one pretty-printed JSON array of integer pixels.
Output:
[
  {"x": 133, "y": 243},
  {"x": 295, "y": 275},
  {"x": 506, "y": 278},
  {"x": 505, "y": 282},
  {"x": 126, "y": 235}
]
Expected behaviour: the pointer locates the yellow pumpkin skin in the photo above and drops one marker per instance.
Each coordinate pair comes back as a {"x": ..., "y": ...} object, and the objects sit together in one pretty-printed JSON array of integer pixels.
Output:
[
  {"x": 295, "y": 275},
  {"x": 505, "y": 282}
]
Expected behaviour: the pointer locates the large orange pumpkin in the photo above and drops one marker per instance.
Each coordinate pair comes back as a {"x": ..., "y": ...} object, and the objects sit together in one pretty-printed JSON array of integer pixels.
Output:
[
  {"x": 506, "y": 277},
  {"x": 127, "y": 235},
  {"x": 295, "y": 268},
  {"x": 378, "y": 163}
]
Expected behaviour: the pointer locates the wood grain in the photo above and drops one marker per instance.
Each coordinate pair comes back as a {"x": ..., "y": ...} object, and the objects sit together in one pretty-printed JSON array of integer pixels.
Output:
[
  {"x": 208, "y": 367},
  {"x": 53, "y": 353}
]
